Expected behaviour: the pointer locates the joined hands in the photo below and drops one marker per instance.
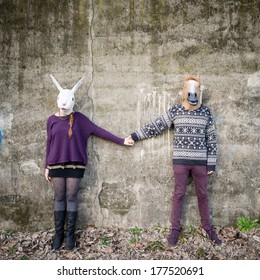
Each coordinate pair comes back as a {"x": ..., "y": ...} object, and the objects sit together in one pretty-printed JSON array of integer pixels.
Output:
[{"x": 129, "y": 141}]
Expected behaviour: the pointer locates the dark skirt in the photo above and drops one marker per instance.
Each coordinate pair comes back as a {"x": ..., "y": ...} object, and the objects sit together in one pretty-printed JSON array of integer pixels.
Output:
[{"x": 66, "y": 171}]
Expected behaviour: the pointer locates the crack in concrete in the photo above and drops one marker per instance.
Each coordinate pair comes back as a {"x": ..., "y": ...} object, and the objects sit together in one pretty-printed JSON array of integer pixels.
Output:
[
  {"x": 90, "y": 87},
  {"x": 90, "y": 92}
]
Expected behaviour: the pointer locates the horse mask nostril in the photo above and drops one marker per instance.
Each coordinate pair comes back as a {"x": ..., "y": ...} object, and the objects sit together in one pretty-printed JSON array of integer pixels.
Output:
[
  {"x": 192, "y": 95},
  {"x": 192, "y": 98}
]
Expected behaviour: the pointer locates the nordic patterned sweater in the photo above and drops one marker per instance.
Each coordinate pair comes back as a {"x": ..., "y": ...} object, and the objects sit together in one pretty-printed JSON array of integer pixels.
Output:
[{"x": 194, "y": 142}]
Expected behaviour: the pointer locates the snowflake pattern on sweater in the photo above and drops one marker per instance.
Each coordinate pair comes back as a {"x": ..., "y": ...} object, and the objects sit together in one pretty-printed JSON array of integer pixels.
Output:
[{"x": 195, "y": 141}]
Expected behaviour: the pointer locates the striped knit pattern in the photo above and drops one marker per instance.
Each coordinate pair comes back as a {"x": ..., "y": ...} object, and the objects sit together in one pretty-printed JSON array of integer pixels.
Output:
[{"x": 195, "y": 141}]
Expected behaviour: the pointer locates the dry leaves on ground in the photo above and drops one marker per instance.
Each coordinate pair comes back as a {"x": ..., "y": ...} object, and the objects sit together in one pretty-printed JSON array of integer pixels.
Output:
[{"x": 124, "y": 244}]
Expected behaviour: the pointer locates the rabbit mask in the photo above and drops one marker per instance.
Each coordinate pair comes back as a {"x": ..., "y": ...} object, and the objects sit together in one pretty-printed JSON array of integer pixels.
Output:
[{"x": 66, "y": 97}]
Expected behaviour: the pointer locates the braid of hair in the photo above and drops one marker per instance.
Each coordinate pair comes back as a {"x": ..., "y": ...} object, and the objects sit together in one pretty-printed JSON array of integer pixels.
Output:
[{"x": 71, "y": 120}]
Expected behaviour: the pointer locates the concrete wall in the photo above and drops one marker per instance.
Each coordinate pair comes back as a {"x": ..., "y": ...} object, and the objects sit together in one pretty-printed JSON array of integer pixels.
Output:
[{"x": 133, "y": 55}]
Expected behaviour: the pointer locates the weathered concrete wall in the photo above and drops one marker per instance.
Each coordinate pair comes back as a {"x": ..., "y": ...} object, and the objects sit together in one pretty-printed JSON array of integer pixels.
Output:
[{"x": 133, "y": 55}]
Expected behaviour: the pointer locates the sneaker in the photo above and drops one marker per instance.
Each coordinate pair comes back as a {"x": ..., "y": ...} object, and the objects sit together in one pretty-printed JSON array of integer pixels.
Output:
[
  {"x": 173, "y": 237},
  {"x": 213, "y": 236}
]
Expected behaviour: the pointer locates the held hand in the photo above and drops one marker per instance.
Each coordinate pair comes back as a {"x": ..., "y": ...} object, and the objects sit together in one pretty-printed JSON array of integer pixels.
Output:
[
  {"x": 48, "y": 179},
  {"x": 210, "y": 172},
  {"x": 129, "y": 141}
]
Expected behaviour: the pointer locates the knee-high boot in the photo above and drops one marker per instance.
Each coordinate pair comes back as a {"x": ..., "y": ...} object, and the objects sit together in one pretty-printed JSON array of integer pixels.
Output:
[
  {"x": 71, "y": 225},
  {"x": 59, "y": 221}
]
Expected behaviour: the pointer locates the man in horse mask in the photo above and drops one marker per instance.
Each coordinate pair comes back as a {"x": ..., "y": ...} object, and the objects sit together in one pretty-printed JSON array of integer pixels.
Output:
[{"x": 194, "y": 152}]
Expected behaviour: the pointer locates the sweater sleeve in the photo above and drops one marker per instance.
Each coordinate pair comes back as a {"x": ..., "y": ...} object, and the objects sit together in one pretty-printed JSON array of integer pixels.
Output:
[
  {"x": 211, "y": 140},
  {"x": 48, "y": 142},
  {"x": 106, "y": 135},
  {"x": 154, "y": 128}
]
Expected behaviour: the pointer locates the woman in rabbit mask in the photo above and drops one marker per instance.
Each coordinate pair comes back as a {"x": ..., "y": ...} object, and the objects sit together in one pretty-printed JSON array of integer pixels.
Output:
[{"x": 66, "y": 159}]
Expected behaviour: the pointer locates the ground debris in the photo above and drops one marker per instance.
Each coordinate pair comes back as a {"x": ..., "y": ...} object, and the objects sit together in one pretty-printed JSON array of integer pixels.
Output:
[{"x": 121, "y": 244}]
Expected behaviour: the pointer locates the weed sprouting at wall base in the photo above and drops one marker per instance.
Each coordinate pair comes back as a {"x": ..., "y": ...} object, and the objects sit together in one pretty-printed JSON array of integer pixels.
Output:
[{"x": 246, "y": 224}]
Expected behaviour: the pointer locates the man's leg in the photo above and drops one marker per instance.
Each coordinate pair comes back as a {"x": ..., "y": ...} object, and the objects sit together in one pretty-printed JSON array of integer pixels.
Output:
[
  {"x": 181, "y": 175},
  {"x": 200, "y": 177}
]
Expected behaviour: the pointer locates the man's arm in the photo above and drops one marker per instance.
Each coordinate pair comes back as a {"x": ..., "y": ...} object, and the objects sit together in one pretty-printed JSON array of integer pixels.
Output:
[
  {"x": 154, "y": 128},
  {"x": 211, "y": 139}
]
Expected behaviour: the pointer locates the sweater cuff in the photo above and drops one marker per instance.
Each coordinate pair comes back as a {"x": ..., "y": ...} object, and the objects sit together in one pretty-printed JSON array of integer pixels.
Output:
[
  {"x": 211, "y": 168},
  {"x": 134, "y": 136}
]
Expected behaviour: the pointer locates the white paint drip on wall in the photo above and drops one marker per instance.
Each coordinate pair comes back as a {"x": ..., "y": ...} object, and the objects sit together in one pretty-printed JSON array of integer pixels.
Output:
[{"x": 152, "y": 102}]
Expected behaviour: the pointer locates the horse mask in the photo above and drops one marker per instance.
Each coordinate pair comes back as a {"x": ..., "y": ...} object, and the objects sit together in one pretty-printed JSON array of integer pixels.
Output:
[
  {"x": 66, "y": 97},
  {"x": 191, "y": 94}
]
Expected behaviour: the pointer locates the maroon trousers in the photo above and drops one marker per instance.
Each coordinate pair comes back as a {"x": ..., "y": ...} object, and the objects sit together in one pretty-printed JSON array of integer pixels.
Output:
[{"x": 200, "y": 178}]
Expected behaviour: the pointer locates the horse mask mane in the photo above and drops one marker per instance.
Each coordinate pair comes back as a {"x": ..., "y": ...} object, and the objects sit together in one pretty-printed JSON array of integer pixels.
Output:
[
  {"x": 191, "y": 94},
  {"x": 66, "y": 97}
]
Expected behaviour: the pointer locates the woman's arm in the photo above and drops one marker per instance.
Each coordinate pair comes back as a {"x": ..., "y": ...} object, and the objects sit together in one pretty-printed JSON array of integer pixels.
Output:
[{"x": 106, "y": 135}]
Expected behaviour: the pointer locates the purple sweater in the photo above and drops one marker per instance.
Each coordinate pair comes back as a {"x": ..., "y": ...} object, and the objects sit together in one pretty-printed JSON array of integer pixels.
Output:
[{"x": 60, "y": 149}]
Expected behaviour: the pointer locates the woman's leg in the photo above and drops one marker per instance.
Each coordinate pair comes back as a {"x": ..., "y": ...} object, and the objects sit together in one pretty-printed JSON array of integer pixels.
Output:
[
  {"x": 72, "y": 188},
  {"x": 59, "y": 185}
]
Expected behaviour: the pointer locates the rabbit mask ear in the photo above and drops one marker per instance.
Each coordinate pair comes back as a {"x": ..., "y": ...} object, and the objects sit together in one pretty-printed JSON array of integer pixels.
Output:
[
  {"x": 76, "y": 87},
  {"x": 56, "y": 83}
]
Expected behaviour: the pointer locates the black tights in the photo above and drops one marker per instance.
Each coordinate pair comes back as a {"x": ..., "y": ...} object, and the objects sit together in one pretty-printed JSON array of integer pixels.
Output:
[{"x": 65, "y": 194}]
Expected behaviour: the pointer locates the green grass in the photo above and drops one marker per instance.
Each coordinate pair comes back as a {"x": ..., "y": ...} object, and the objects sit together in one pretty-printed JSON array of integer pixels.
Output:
[
  {"x": 155, "y": 245},
  {"x": 136, "y": 234},
  {"x": 246, "y": 224},
  {"x": 191, "y": 229},
  {"x": 201, "y": 252},
  {"x": 105, "y": 241}
]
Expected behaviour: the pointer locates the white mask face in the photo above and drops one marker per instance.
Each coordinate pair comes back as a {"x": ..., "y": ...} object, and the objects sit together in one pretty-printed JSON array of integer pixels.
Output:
[
  {"x": 66, "y": 101},
  {"x": 66, "y": 97}
]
